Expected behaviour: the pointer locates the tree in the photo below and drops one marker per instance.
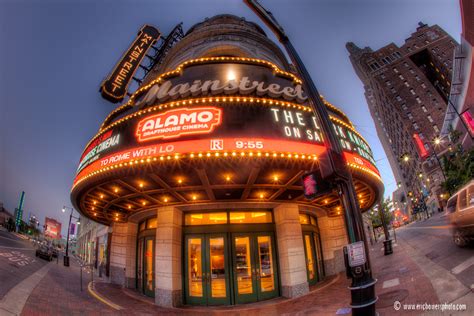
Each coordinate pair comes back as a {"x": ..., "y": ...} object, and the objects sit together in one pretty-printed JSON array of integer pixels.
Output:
[
  {"x": 382, "y": 215},
  {"x": 458, "y": 166}
]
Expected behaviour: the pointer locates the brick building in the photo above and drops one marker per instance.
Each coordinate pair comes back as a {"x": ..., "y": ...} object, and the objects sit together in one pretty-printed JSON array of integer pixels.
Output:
[{"x": 407, "y": 90}]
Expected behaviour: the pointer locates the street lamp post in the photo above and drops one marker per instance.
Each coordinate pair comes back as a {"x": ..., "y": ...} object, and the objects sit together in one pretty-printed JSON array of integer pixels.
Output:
[
  {"x": 363, "y": 285},
  {"x": 66, "y": 257}
]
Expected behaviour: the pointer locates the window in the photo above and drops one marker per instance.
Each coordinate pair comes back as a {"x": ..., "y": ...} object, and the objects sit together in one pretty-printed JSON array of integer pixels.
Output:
[
  {"x": 415, "y": 126},
  {"x": 430, "y": 119},
  {"x": 418, "y": 100},
  {"x": 405, "y": 64},
  {"x": 412, "y": 71},
  {"x": 401, "y": 77},
  {"x": 470, "y": 195},
  {"x": 407, "y": 84},
  {"x": 382, "y": 76},
  {"x": 436, "y": 129},
  {"x": 424, "y": 109},
  {"x": 410, "y": 116},
  {"x": 398, "y": 98},
  {"x": 423, "y": 86},
  {"x": 404, "y": 107},
  {"x": 213, "y": 218},
  {"x": 412, "y": 91},
  {"x": 152, "y": 223},
  {"x": 417, "y": 78},
  {"x": 304, "y": 219},
  {"x": 388, "y": 83},
  {"x": 462, "y": 202},
  {"x": 395, "y": 70},
  {"x": 250, "y": 217}
]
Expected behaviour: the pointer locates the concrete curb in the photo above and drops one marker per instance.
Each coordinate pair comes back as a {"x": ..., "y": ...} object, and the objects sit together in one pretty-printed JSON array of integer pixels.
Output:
[{"x": 14, "y": 301}]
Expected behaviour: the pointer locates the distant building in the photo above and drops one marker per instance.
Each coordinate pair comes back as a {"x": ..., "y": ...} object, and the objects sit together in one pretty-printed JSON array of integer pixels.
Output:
[
  {"x": 462, "y": 88},
  {"x": 4, "y": 215},
  {"x": 407, "y": 90}
]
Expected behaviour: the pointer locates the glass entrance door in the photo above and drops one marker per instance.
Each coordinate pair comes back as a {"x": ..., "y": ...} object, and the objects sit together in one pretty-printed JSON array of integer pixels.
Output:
[
  {"x": 207, "y": 269},
  {"x": 314, "y": 262},
  {"x": 145, "y": 266},
  {"x": 254, "y": 267},
  {"x": 311, "y": 262}
]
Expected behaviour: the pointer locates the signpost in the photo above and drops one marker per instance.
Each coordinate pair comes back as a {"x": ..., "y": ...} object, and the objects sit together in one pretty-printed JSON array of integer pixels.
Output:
[
  {"x": 332, "y": 165},
  {"x": 114, "y": 88}
]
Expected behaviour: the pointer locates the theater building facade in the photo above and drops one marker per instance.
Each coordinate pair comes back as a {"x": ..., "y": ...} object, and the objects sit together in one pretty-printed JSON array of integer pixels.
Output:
[{"x": 198, "y": 175}]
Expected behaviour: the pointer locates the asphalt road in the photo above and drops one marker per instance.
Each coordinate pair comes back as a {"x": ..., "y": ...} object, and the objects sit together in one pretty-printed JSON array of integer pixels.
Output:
[
  {"x": 433, "y": 238},
  {"x": 17, "y": 261}
]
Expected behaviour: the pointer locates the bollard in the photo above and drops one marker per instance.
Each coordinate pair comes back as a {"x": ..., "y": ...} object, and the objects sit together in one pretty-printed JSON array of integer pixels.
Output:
[{"x": 387, "y": 245}]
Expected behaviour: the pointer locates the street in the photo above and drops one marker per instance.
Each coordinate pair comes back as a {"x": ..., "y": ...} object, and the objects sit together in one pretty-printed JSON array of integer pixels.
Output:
[
  {"x": 433, "y": 239},
  {"x": 17, "y": 261}
]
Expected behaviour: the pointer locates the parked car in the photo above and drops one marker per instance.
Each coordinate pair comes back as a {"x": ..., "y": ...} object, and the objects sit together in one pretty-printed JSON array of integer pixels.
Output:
[
  {"x": 460, "y": 210},
  {"x": 44, "y": 252}
]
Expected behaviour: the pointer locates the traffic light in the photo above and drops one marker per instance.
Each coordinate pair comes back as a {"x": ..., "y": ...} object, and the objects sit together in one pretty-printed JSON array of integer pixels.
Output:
[{"x": 314, "y": 185}]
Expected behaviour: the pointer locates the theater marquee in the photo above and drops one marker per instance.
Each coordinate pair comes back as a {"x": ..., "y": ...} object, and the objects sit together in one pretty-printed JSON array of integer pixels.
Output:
[{"x": 239, "y": 114}]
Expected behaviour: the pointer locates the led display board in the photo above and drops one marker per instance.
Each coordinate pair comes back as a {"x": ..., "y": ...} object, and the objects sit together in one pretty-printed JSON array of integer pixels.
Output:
[
  {"x": 114, "y": 88},
  {"x": 219, "y": 127},
  {"x": 52, "y": 228}
]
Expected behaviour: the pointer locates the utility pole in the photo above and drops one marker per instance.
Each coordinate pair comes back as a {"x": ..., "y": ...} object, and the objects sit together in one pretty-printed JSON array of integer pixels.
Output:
[{"x": 333, "y": 166}]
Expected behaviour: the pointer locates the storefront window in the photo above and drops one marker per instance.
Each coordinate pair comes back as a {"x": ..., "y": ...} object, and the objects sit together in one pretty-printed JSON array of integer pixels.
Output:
[
  {"x": 250, "y": 217},
  {"x": 152, "y": 223},
  {"x": 304, "y": 219},
  {"x": 205, "y": 218}
]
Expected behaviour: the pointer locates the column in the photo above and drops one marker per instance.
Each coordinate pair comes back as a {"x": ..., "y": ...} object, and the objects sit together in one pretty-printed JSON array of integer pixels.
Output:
[
  {"x": 168, "y": 259},
  {"x": 292, "y": 260},
  {"x": 333, "y": 239},
  {"x": 123, "y": 254}
]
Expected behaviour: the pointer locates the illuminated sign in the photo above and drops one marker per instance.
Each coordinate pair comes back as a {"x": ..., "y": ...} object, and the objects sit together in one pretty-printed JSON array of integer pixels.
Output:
[
  {"x": 233, "y": 118},
  {"x": 178, "y": 122},
  {"x": 114, "y": 88},
  {"x": 92, "y": 153},
  {"x": 52, "y": 228},
  {"x": 469, "y": 122},
  {"x": 420, "y": 146},
  {"x": 244, "y": 86}
]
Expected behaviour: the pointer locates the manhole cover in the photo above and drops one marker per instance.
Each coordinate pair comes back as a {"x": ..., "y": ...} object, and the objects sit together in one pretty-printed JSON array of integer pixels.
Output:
[{"x": 387, "y": 299}]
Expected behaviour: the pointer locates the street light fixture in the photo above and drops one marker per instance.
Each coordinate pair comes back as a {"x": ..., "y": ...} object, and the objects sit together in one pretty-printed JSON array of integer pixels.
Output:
[{"x": 66, "y": 257}]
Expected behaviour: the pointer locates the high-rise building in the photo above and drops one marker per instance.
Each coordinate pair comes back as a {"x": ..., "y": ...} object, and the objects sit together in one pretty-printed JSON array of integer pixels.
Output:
[{"x": 407, "y": 90}]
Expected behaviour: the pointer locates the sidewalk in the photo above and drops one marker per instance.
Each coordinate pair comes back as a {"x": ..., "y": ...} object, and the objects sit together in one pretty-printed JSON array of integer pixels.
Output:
[
  {"x": 59, "y": 293},
  {"x": 399, "y": 279}
]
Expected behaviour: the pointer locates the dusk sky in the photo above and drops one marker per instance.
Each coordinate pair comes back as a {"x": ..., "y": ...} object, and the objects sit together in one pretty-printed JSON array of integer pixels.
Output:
[{"x": 54, "y": 55}]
